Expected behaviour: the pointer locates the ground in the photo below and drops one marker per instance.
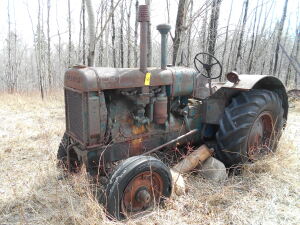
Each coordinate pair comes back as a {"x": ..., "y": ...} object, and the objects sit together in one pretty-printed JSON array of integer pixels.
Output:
[{"x": 267, "y": 192}]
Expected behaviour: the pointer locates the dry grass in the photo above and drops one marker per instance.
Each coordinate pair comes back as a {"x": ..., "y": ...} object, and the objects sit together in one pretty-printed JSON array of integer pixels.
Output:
[{"x": 268, "y": 192}]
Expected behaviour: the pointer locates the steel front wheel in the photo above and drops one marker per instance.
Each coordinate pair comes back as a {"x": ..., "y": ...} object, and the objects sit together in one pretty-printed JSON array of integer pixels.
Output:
[
  {"x": 250, "y": 127},
  {"x": 137, "y": 185},
  {"x": 62, "y": 157}
]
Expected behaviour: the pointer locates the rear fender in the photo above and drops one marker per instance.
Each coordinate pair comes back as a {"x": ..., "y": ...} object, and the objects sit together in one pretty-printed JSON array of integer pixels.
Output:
[
  {"x": 213, "y": 106},
  {"x": 267, "y": 82}
]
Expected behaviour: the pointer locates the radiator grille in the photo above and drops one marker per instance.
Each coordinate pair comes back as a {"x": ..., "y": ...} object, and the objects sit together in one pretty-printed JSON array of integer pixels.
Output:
[{"x": 74, "y": 113}]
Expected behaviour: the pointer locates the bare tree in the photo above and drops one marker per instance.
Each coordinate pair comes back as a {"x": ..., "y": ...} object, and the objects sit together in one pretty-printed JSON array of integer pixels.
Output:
[
  {"x": 190, "y": 34},
  {"x": 70, "y": 34},
  {"x": 136, "y": 33},
  {"x": 254, "y": 38},
  {"x": 213, "y": 27},
  {"x": 122, "y": 35},
  {"x": 90, "y": 10},
  {"x": 180, "y": 28},
  {"x": 113, "y": 36},
  {"x": 226, "y": 34},
  {"x": 83, "y": 35},
  {"x": 39, "y": 51},
  {"x": 239, "y": 49},
  {"x": 49, "y": 45},
  {"x": 129, "y": 34},
  {"x": 279, "y": 34},
  {"x": 149, "y": 36}
]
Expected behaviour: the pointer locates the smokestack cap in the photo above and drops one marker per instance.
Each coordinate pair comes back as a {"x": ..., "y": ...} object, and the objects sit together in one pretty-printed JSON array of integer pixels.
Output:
[
  {"x": 144, "y": 13},
  {"x": 163, "y": 28}
]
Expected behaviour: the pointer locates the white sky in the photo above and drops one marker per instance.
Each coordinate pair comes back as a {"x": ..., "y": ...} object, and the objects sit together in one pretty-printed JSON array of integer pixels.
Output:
[{"x": 19, "y": 13}]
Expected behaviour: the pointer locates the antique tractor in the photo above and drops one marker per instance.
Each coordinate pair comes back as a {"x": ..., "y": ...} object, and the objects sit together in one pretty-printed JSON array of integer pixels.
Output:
[{"x": 117, "y": 117}]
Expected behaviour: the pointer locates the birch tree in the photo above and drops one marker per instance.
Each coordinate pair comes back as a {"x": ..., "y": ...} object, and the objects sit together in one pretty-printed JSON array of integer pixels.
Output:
[
  {"x": 179, "y": 28},
  {"x": 279, "y": 34}
]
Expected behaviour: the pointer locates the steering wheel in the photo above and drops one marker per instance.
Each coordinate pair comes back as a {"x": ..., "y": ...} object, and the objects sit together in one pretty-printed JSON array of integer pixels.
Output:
[{"x": 207, "y": 66}]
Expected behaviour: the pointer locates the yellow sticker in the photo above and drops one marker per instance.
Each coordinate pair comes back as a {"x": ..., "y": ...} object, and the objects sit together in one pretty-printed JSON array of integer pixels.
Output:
[{"x": 147, "y": 79}]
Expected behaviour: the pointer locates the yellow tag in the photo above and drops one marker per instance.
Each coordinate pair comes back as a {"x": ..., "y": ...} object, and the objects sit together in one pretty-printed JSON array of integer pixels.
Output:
[{"x": 147, "y": 79}]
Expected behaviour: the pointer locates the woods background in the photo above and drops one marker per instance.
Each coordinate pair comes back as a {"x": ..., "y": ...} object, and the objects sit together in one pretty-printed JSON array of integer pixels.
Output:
[{"x": 260, "y": 37}]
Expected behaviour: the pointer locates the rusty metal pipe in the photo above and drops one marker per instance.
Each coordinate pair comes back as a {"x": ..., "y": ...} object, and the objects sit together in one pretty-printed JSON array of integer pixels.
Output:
[
  {"x": 144, "y": 19},
  {"x": 171, "y": 142},
  {"x": 192, "y": 160}
]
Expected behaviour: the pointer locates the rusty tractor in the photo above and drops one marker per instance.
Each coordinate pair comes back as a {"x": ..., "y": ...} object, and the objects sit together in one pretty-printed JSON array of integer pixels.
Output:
[{"x": 117, "y": 117}]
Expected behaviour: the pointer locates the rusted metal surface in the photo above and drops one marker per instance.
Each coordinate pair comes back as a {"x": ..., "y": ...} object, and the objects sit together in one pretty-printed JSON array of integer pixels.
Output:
[
  {"x": 161, "y": 110},
  {"x": 260, "y": 135},
  {"x": 190, "y": 133},
  {"x": 233, "y": 77},
  {"x": 100, "y": 78},
  {"x": 183, "y": 81},
  {"x": 144, "y": 20},
  {"x": 192, "y": 160},
  {"x": 142, "y": 193}
]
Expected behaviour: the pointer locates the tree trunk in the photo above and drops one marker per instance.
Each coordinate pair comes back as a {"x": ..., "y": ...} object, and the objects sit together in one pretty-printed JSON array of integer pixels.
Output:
[
  {"x": 297, "y": 55},
  {"x": 49, "y": 45},
  {"x": 136, "y": 33},
  {"x": 279, "y": 34},
  {"x": 251, "y": 55},
  {"x": 70, "y": 34},
  {"x": 149, "y": 37},
  {"x": 83, "y": 34},
  {"x": 213, "y": 27},
  {"x": 122, "y": 36},
  {"x": 226, "y": 35},
  {"x": 279, "y": 75},
  {"x": 179, "y": 29},
  {"x": 189, "y": 49},
  {"x": 91, "y": 15},
  {"x": 239, "y": 49},
  {"x": 9, "y": 72},
  {"x": 129, "y": 35},
  {"x": 203, "y": 31},
  {"x": 39, "y": 52},
  {"x": 113, "y": 36}
]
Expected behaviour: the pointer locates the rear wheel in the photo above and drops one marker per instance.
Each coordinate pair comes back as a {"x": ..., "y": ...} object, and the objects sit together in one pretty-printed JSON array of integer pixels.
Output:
[
  {"x": 136, "y": 186},
  {"x": 250, "y": 127}
]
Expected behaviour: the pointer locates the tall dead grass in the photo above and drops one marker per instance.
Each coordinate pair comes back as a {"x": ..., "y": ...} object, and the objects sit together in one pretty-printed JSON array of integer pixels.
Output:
[{"x": 267, "y": 192}]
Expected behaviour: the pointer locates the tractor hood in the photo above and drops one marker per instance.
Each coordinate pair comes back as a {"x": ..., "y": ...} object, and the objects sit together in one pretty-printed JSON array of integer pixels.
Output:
[{"x": 101, "y": 78}]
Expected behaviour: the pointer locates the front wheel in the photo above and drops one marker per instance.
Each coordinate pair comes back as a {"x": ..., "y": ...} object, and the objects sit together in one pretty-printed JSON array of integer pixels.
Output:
[
  {"x": 136, "y": 186},
  {"x": 62, "y": 157},
  {"x": 250, "y": 127}
]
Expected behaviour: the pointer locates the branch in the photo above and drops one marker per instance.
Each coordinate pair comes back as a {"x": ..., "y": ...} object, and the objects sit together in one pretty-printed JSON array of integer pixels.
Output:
[{"x": 106, "y": 22}]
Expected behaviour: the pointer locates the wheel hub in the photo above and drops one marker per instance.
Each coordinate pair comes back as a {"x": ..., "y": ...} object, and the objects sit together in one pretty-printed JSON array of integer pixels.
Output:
[
  {"x": 259, "y": 139},
  {"x": 143, "y": 197},
  {"x": 141, "y": 194}
]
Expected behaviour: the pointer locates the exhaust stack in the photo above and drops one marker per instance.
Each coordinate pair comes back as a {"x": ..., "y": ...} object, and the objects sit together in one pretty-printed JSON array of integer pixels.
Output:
[
  {"x": 144, "y": 19},
  {"x": 164, "y": 29}
]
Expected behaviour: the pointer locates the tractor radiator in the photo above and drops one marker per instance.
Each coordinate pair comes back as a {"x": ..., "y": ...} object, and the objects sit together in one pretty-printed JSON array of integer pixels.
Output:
[{"x": 74, "y": 114}]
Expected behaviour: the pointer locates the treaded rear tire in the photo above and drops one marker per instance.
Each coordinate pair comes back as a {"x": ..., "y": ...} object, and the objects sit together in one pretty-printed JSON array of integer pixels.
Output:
[{"x": 238, "y": 119}]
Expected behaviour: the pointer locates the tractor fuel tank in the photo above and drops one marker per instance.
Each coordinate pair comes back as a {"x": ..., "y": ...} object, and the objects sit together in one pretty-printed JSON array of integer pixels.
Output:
[{"x": 183, "y": 81}]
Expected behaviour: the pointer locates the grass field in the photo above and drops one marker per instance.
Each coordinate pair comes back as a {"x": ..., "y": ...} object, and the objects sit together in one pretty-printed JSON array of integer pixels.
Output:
[{"x": 267, "y": 192}]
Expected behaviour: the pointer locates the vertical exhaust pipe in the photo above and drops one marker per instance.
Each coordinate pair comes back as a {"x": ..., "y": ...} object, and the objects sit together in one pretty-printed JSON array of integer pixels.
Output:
[
  {"x": 164, "y": 29},
  {"x": 144, "y": 19}
]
